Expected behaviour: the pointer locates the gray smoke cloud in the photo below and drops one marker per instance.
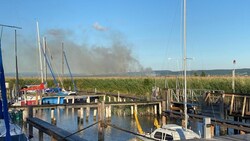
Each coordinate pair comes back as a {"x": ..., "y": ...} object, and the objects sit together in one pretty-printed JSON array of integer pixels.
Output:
[
  {"x": 82, "y": 58},
  {"x": 94, "y": 59}
]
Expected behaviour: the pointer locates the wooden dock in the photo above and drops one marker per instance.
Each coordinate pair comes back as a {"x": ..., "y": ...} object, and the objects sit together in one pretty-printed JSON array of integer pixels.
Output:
[
  {"x": 52, "y": 130},
  {"x": 245, "y": 137}
]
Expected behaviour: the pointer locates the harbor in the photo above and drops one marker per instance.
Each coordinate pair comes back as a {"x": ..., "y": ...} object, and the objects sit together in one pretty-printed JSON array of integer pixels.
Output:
[
  {"x": 89, "y": 114},
  {"x": 95, "y": 70}
]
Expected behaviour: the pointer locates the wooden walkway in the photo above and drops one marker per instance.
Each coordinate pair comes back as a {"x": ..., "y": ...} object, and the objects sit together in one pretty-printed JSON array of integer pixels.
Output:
[
  {"x": 245, "y": 137},
  {"x": 52, "y": 130}
]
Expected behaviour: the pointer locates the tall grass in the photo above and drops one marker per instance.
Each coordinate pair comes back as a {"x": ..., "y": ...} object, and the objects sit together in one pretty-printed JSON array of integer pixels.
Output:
[{"x": 143, "y": 85}]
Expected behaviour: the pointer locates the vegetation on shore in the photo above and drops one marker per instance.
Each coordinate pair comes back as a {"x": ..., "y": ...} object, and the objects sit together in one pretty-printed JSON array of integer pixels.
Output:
[{"x": 143, "y": 85}]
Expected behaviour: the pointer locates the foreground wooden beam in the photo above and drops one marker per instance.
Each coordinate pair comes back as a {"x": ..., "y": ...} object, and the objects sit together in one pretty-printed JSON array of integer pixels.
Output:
[{"x": 52, "y": 130}]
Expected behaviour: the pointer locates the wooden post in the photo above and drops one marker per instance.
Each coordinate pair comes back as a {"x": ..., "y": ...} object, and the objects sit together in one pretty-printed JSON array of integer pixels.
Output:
[
  {"x": 110, "y": 112},
  {"x": 109, "y": 98},
  {"x": 136, "y": 109},
  {"x": 30, "y": 111},
  {"x": 52, "y": 116},
  {"x": 80, "y": 116},
  {"x": 40, "y": 135},
  {"x": 240, "y": 120},
  {"x": 160, "y": 111},
  {"x": 101, "y": 124},
  {"x": 104, "y": 98},
  {"x": 118, "y": 97},
  {"x": 114, "y": 99},
  {"x": 244, "y": 106},
  {"x": 87, "y": 109},
  {"x": 87, "y": 113},
  {"x": 107, "y": 112},
  {"x": 237, "y": 120},
  {"x": 94, "y": 114},
  {"x": 25, "y": 114},
  {"x": 168, "y": 100},
  {"x": 223, "y": 114},
  {"x": 212, "y": 130},
  {"x": 132, "y": 110},
  {"x": 155, "y": 111},
  {"x": 231, "y": 106},
  {"x": 73, "y": 100},
  {"x": 164, "y": 119}
]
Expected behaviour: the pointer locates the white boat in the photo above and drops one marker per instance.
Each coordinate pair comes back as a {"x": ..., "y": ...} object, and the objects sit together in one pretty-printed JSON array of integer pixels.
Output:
[
  {"x": 173, "y": 131},
  {"x": 170, "y": 132}
]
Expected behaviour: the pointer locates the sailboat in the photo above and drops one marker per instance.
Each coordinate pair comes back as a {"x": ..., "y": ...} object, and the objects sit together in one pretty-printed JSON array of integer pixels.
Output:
[
  {"x": 173, "y": 131},
  {"x": 8, "y": 131},
  {"x": 31, "y": 94}
]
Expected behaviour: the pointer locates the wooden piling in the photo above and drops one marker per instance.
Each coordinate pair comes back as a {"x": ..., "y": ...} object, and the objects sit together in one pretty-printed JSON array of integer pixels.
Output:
[
  {"x": 101, "y": 114},
  {"x": 80, "y": 115},
  {"x": 164, "y": 118},
  {"x": 104, "y": 98},
  {"x": 132, "y": 110},
  {"x": 223, "y": 114},
  {"x": 110, "y": 112},
  {"x": 40, "y": 134},
  {"x": 237, "y": 120},
  {"x": 155, "y": 109},
  {"x": 160, "y": 111},
  {"x": 52, "y": 116},
  {"x": 30, "y": 115},
  {"x": 107, "y": 110},
  {"x": 136, "y": 109},
  {"x": 94, "y": 114},
  {"x": 73, "y": 99},
  {"x": 118, "y": 98},
  {"x": 212, "y": 130},
  {"x": 168, "y": 99},
  {"x": 25, "y": 114},
  {"x": 87, "y": 109}
]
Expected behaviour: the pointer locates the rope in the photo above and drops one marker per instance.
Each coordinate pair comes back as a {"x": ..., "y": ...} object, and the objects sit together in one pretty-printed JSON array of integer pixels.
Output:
[{"x": 80, "y": 130}]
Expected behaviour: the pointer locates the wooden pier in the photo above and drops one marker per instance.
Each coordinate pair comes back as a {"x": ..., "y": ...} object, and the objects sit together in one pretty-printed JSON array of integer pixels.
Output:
[
  {"x": 217, "y": 102},
  {"x": 245, "y": 137},
  {"x": 55, "y": 132}
]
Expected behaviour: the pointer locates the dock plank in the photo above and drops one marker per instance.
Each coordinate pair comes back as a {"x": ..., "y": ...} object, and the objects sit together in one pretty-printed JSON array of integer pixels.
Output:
[{"x": 53, "y": 130}]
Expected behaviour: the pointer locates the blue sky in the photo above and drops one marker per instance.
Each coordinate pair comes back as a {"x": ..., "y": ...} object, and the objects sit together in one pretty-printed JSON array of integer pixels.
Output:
[{"x": 217, "y": 30}]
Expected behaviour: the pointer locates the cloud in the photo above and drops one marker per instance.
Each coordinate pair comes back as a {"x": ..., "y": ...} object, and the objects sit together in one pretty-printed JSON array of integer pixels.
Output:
[{"x": 99, "y": 27}]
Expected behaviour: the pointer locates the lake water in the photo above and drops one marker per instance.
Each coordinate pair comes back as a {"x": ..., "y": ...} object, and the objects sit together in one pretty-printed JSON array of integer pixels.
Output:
[{"x": 67, "y": 120}]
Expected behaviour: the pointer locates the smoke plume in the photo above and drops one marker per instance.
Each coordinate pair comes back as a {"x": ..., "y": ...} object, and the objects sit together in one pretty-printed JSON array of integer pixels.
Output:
[{"x": 82, "y": 58}]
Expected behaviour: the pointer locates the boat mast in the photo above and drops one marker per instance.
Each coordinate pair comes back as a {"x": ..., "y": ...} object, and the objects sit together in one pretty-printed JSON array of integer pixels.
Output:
[
  {"x": 40, "y": 53},
  {"x": 3, "y": 87},
  {"x": 44, "y": 60},
  {"x": 62, "y": 63},
  {"x": 17, "y": 79},
  {"x": 71, "y": 76},
  {"x": 185, "y": 64}
]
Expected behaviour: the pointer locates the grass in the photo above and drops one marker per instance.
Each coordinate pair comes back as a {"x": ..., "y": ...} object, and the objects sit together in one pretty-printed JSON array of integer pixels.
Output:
[{"x": 143, "y": 85}]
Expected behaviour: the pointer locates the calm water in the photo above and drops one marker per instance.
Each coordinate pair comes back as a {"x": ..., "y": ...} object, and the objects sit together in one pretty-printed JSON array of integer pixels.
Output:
[{"x": 68, "y": 120}]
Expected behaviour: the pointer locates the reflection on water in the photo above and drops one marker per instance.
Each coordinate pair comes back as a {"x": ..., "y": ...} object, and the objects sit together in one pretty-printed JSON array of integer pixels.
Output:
[{"x": 67, "y": 120}]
